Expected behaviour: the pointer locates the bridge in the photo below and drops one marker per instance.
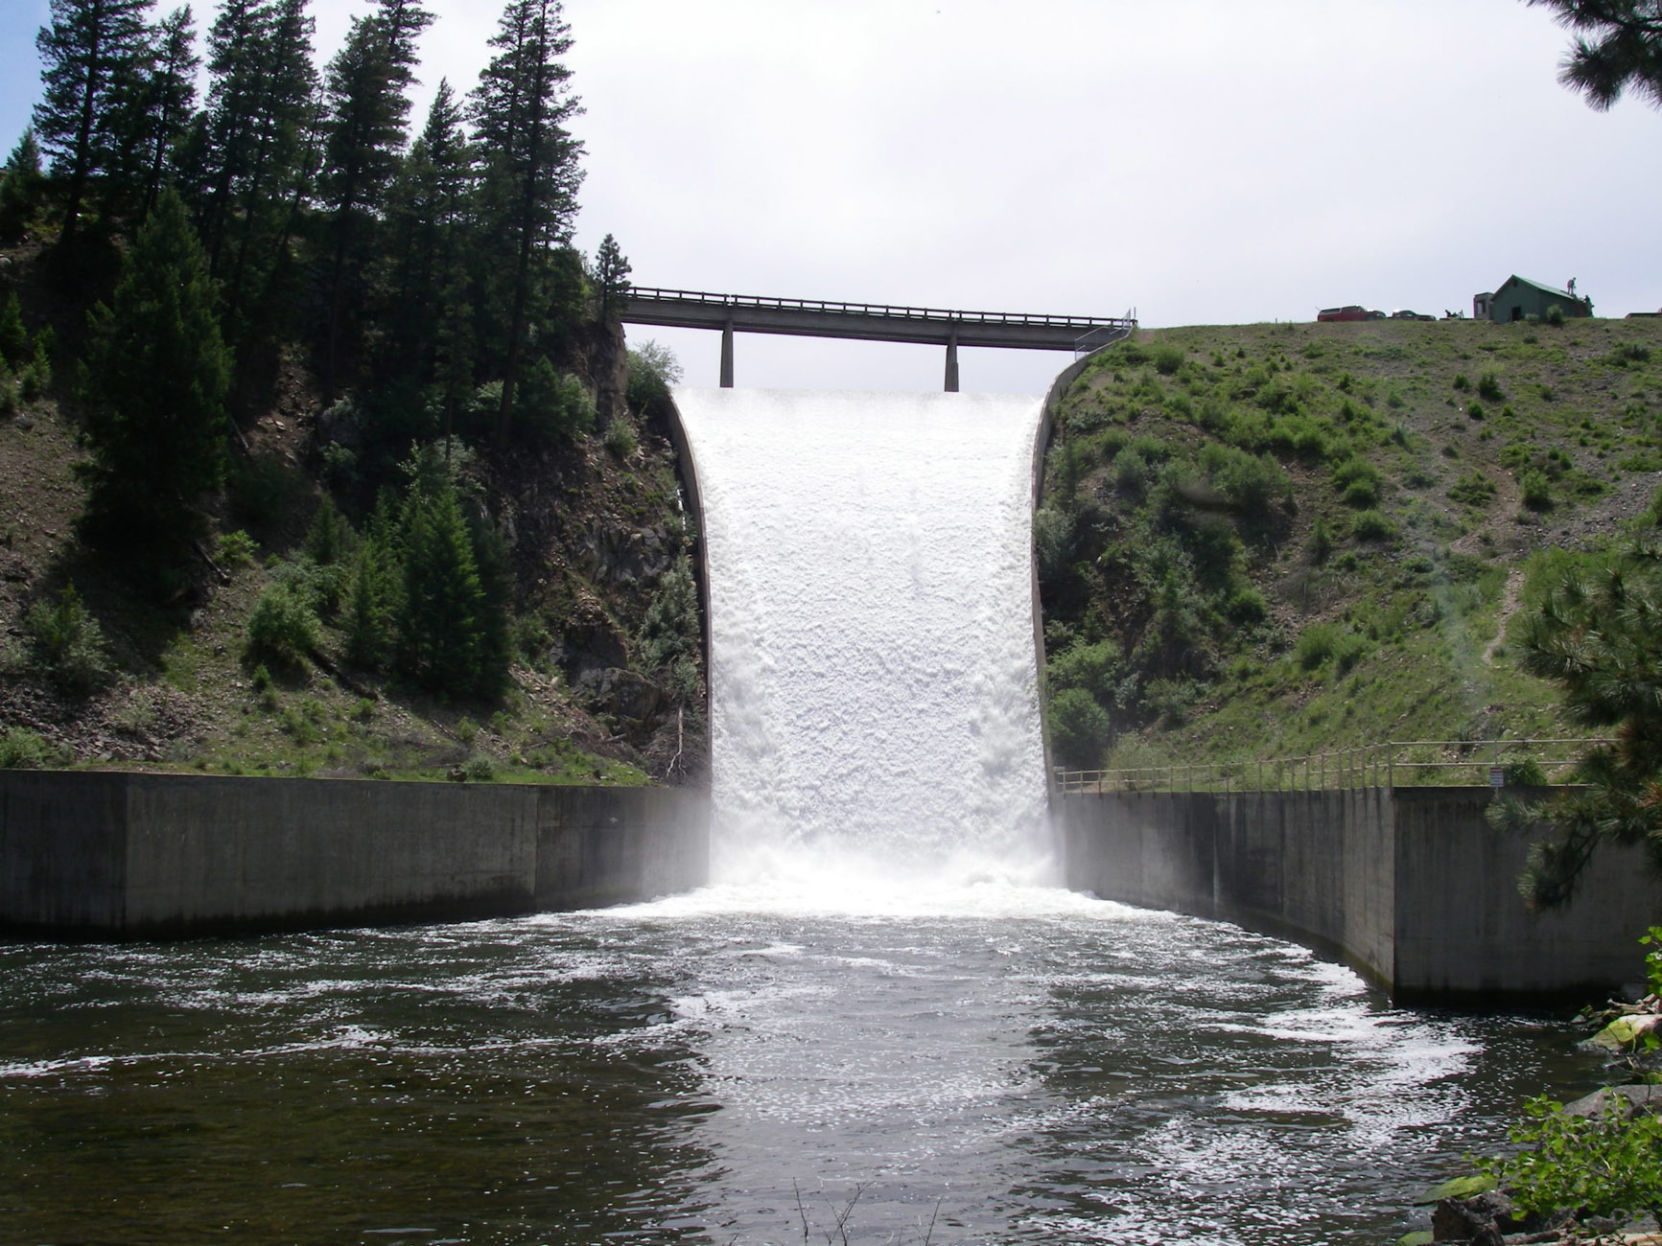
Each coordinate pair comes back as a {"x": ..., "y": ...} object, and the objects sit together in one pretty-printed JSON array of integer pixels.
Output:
[{"x": 871, "y": 322}]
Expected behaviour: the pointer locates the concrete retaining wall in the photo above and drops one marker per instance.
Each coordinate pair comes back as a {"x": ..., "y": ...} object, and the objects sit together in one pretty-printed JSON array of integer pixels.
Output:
[
  {"x": 1410, "y": 886},
  {"x": 138, "y": 855}
]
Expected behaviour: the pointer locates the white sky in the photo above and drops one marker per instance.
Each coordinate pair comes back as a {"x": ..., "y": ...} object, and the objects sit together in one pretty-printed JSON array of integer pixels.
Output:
[{"x": 1204, "y": 161}]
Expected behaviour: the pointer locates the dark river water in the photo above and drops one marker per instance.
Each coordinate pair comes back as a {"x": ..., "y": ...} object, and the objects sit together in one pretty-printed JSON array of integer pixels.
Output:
[{"x": 1023, "y": 1065}]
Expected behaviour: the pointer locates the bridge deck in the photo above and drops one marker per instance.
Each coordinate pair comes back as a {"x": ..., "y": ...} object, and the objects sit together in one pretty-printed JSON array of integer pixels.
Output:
[{"x": 880, "y": 322}]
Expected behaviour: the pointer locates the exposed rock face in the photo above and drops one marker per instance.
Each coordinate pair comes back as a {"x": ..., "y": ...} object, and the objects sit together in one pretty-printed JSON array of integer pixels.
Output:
[
  {"x": 623, "y": 555},
  {"x": 1638, "y": 1097},
  {"x": 593, "y": 645}
]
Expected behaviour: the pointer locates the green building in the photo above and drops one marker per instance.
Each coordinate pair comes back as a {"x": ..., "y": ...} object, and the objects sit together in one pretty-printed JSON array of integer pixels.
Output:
[{"x": 1521, "y": 299}]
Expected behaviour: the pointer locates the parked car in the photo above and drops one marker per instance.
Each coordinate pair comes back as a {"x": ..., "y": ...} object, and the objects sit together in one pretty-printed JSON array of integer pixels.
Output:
[
  {"x": 1352, "y": 312},
  {"x": 1405, "y": 314}
]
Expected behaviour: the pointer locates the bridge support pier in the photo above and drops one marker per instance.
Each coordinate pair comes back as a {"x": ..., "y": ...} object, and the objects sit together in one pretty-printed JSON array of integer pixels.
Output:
[
  {"x": 727, "y": 354},
  {"x": 952, "y": 360}
]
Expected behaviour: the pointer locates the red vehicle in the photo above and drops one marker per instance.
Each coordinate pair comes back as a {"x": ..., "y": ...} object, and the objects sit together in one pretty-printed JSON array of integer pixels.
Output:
[{"x": 1352, "y": 312}]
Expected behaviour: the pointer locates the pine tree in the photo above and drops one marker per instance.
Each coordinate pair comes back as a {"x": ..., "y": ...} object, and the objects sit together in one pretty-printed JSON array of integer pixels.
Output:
[
  {"x": 367, "y": 105},
  {"x": 611, "y": 277},
  {"x": 426, "y": 314},
  {"x": 1617, "y": 48},
  {"x": 93, "y": 54},
  {"x": 1597, "y": 636},
  {"x": 21, "y": 186},
  {"x": 375, "y": 593},
  {"x": 442, "y": 627},
  {"x": 259, "y": 145},
  {"x": 530, "y": 169},
  {"x": 156, "y": 378},
  {"x": 169, "y": 100}
]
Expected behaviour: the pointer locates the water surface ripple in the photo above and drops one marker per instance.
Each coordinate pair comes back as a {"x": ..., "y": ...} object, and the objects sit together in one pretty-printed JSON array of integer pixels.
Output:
[{"x": 1052, "y": 1070}]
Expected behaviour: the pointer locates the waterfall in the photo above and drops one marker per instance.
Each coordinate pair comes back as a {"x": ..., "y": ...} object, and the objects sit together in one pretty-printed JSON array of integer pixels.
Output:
[{"x": 874, "y": 692}]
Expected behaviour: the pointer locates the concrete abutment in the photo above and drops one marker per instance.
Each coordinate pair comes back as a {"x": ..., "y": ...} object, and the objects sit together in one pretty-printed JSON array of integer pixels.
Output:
[
  {"x": 117, "y": 855},
  {"x": 1410, "y": 886}
]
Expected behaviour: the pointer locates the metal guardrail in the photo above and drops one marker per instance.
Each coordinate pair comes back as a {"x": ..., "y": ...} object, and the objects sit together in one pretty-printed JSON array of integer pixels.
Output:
[
  {"x": 1106, "y": 335},
  {"x": 705, "y": 298},
  {"x": 1397, "y": 763}
]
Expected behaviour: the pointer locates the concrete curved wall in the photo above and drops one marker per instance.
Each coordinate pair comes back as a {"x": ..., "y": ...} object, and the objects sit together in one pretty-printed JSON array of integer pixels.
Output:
[
  {"x": 1411, "y": 886},
  {"x": 116, "y": 855},
  {"x": 687, "y": 470}
]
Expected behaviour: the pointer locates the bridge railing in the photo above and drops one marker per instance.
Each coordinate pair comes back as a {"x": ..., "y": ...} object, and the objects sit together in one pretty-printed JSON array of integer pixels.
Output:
[
  {"x": 1106, "y": 335},
  {"x": 705, "y": 298},
  {"x": 1396, "y": 763}
]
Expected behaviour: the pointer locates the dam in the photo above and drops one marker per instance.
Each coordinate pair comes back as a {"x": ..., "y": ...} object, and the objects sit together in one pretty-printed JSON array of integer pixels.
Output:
[{"x": 883, "y": 1019}]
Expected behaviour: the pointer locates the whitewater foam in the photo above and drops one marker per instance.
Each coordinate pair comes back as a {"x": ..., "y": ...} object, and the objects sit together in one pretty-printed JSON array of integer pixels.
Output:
[{"x": 874, "y": 687}]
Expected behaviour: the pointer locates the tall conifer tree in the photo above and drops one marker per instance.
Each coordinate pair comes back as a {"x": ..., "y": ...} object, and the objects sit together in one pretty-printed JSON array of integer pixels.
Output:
[
  {"x": 166, "y": 103},
  {"x": 21, "y": 185},
  {"x": 261, "y": 118},
  {"x": 427, "y": 218},
  {"x": 157, "y": 374},
  {"x": 530, "y": 172},
  {"x": 92, "y": 54},
  {"x": 367, "y": 106}
]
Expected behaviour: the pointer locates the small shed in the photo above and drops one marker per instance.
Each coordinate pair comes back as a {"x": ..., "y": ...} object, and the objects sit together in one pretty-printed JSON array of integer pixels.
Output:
[{"x": 1521, "y": 299}]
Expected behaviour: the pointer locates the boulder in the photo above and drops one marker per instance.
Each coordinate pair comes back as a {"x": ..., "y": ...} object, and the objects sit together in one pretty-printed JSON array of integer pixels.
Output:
[
  {"x": 1625, "y": 1033},
  {"x": 1637, "y": 1096},
  {"x": 1484, "y": 1218}
]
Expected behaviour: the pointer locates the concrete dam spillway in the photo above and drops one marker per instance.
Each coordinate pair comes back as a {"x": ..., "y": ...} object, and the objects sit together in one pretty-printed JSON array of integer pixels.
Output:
[
  {"x": 882, "y": 1016},
  {"x": 874, "y": 690}
]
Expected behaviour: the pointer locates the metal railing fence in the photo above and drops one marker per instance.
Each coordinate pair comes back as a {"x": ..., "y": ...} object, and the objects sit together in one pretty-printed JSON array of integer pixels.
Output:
[
  {"x": 1396, "y": 763},
  {"x": 705, "y": 298}
]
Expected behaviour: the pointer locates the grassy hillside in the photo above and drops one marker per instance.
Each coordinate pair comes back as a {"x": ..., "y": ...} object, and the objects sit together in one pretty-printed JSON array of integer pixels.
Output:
[
  {"x": 99, "y": 668},
  {"x": 1260, "y": 541}
]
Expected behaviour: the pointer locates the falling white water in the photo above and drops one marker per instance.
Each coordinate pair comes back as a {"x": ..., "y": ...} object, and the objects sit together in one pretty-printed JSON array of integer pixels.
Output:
[{"x": 874, "y": 696}]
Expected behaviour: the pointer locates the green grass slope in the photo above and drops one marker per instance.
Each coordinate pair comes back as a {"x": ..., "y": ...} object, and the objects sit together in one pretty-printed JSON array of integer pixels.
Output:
[{"x": 1263, "y": 541}]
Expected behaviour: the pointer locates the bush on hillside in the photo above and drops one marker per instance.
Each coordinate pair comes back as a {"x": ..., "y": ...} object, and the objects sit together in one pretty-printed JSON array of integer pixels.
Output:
[
  {"x": 1080, "y": 729},
  {"x": 66, "y": 643},
  {"x": 282, "y": 628}
]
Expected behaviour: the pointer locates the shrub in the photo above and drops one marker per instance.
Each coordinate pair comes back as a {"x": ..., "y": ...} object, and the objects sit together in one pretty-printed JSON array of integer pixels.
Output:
[
  {"x": 552, "y": 406},
  {"x": 1537, "y": 490},
  {"x": 1169, "y": 700},
  {"x": 1316, "y": 645},
  {"x": 1094, "y": 669},
  {"x": 1358, "y": 482},
  {"x": 653, "y": 372},
  {"x": 1604, "y": 1165},
  {"x": 1252, "y": 482},
  {"x": 1246, "y": 607},
  {"x": 1167, "y": 359},
  {"x": 620, "y": 439},
  {"x": 67, "y": 643},
  {"x": 22, "y": 749},
  {"x": 1524, "y": 774},
  {"x": 1488, "y": 386},
  {"x": 1461, "y": 383},
  {"x": 237, "y": 548},
  {"x": 1052, "y": 537},
  {"x": 1321, "y": 541},
  {"x": 282, "y": 628},
  {"x": 1080, "y": 729},
  {"x": 1371, "y": 525},
  {"x": 1652, "y": 939},
  {"x": 1350, "y": 650},
  {"x": 1555, "y": 316},
  {"x": 1473, "y": 488}
]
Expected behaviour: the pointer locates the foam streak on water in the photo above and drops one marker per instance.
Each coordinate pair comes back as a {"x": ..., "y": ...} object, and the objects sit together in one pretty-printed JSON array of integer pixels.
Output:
[{"x": 874, "y": 693}]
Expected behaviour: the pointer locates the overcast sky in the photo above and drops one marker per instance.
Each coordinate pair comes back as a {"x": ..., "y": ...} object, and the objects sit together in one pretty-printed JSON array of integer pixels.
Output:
[{"x": 1201, "y": 161}]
